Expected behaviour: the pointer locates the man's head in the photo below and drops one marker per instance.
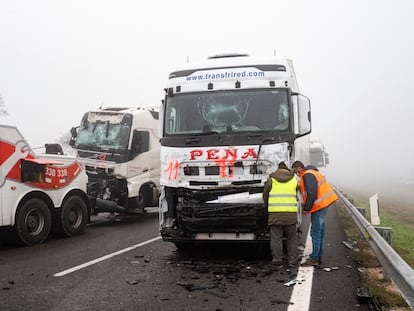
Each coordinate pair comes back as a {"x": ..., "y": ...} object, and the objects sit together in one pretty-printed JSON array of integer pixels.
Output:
[
  {"x": 297, "y": 167},
  {"x": 282, "y": 165}
]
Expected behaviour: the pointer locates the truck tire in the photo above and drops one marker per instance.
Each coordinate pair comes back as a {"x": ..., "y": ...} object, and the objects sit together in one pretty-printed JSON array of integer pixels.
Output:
[
  {"x": 73, "y": 216},
  {"x": 142, "y": 199},
  {"x": 136, "y": 205},
  {"x": 33, "y": 222}
]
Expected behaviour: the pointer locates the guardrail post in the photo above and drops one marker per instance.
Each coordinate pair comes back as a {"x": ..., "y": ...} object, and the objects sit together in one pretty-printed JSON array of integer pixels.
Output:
[
  {"x": 386, "y": 233},
  {"x": 361, "y": 210},
  {"x": 373, "y": 204}
]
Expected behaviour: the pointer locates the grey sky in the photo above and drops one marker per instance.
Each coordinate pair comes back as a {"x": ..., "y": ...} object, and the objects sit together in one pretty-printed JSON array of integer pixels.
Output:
[{"x": 353, "y": 59}]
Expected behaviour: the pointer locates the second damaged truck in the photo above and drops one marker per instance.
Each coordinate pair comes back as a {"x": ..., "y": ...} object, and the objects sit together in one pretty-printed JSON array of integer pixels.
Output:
[
  {"x": 119, "y": 148},
  {"x": 226, "y": 124}
]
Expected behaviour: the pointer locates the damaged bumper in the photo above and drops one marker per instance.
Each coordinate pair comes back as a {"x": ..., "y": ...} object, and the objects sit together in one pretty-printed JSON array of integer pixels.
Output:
[{"x": 235, "y": 217}]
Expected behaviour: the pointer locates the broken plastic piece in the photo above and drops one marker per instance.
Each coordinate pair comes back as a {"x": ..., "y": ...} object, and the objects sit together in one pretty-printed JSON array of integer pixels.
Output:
[
  {"x": 281, "y": 301},
  {"x": 135, "y": 282},
  {"x": 363, "y": 294},
  {"x": 347, "y": 244},
  {"x": 294, "y": 282}
]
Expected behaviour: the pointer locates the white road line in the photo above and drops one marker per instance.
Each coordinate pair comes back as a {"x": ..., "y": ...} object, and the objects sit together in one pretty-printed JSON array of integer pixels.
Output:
[
  {"x": 92, "y": 262},
  {"x": 301, "y": 293}
]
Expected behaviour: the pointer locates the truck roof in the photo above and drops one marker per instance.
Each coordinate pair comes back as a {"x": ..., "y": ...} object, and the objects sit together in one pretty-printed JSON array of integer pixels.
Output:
[
  {"x": 231, "y": 61},
  {"x": 115, "y": 114},
  {"x": 125, "y": 109},
  {"x": 137, "y": 117},
  {"x": 256, "y": 72}
]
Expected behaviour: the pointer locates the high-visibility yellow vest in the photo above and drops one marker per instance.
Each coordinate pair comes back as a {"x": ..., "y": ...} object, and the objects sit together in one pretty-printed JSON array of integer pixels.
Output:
[{"x": 282, "y": 196}]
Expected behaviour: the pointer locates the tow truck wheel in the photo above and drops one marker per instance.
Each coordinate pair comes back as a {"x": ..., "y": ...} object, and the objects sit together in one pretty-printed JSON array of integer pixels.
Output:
[
  {"x": 73, "y": 216},
  {"x": 33, "y": 222}
]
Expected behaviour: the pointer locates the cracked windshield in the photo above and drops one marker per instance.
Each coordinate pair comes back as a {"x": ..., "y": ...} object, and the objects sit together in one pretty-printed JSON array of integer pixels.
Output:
[
  {"x": 227, "y": 111},
  {"x": 103, "y": 135}
]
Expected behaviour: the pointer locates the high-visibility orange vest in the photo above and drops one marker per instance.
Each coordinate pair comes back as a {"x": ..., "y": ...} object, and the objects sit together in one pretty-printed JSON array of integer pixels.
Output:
[
  {"x": 325, "y": 195},
  {"x": 282, "y": 196}
]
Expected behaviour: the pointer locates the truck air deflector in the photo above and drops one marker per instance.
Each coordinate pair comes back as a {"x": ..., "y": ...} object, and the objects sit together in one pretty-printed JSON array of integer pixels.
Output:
[{"x": 185, "y": 73}]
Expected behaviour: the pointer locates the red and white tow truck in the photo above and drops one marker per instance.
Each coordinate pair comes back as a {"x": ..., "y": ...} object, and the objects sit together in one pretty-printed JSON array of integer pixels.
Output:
[{"x": 39, "y": 192}]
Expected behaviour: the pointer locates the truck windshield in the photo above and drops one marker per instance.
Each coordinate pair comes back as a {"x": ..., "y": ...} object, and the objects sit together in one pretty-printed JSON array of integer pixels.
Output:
[
  {"x": 227, "y": 111},
  {"x": 102, "y": 136}
]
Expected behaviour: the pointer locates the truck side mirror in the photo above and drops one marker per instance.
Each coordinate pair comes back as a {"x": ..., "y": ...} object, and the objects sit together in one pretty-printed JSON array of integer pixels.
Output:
[
  {"x": 301, "y": 114},
  {"x": 53, "y": 149},
  {"x": 74, "y": 134}
]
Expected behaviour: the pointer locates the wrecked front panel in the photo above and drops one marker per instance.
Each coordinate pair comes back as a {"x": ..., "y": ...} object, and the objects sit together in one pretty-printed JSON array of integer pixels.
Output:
[
  {"x": 216, "y": 193},
  {"x": 219, "y": 214},
  {"x": 109, "y": 194}
]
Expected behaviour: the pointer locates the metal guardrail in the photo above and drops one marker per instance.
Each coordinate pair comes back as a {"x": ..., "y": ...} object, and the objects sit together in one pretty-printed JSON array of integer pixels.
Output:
[{"x": 394, "y": 266}]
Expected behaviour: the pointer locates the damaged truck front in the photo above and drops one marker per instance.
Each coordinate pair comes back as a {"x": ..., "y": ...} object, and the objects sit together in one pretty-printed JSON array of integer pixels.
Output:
[
  {"x": 226, "y": 124},
  {"x": 119, "y": 147}
]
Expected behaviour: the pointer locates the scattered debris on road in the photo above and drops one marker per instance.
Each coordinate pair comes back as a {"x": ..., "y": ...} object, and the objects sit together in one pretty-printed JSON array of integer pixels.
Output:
[{"x": 294, "y": 282}]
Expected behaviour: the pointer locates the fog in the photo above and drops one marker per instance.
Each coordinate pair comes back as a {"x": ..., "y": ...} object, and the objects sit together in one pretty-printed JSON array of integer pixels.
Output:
[{"x": 353, "y": 59}]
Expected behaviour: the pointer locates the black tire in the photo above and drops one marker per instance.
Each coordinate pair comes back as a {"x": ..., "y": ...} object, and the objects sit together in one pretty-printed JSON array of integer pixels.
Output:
[
  {"x": 33, "y": 222},
  {"x": 136, "y": 205},
  {"x": 141, "y": 199},
  {"x": 73, "y": 216}
]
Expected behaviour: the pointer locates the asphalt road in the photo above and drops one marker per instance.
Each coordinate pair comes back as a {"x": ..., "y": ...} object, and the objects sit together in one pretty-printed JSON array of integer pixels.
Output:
[{"x": 124, "y": 266}]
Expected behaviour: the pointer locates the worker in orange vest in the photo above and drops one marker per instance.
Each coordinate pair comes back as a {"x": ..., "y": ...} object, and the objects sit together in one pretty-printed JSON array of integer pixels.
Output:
[{"x": 317, "y": 195}]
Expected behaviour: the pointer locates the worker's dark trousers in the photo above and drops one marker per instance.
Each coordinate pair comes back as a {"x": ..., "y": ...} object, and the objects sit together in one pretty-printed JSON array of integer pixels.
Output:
[{"x": 277, "y": 235}]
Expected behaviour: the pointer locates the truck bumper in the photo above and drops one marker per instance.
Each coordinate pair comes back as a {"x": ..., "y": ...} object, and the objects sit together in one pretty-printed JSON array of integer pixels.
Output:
[{"x": 218, "y": 222}]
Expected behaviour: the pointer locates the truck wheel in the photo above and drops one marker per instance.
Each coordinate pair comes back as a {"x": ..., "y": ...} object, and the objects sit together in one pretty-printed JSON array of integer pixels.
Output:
[
  {"x": 33, "y": 222},
  {"x": 141, "y": 199},
  {"x": 136, "y": 205},
  {"x": 73, "y": 216}
]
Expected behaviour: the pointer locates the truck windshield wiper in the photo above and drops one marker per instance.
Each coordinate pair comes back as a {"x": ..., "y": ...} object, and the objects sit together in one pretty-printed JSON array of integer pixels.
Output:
[
  {"x": 196, "y": 139},
  {"x": 207, "y": 133},
  {"x": 87, "y": 146},
  {"x": 191, "y": 140}
]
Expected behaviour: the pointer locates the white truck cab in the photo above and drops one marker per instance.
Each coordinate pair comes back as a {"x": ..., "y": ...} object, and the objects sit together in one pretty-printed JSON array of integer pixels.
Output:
[
  {"x": 226, "y": 124},
  {"x": 119, "y": 148},
  {"x": 318, "y": 156}
]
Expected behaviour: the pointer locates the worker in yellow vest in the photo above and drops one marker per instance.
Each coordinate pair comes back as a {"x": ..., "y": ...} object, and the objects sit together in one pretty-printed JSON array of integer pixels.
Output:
[
  {"x": 317, "y": 195},
  {"x": 280, "y": 196}
]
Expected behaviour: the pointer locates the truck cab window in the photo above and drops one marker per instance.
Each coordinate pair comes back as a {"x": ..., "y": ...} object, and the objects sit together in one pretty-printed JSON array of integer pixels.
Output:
[{"x": 140, "y": 142}]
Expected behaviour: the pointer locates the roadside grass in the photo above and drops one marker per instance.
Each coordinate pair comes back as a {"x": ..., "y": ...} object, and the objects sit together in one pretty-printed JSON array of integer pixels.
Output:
[
  {"x": 402, "y": 237},
  {"x": 383, "y": 291},
  {"x": 402, "y": 228}
]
